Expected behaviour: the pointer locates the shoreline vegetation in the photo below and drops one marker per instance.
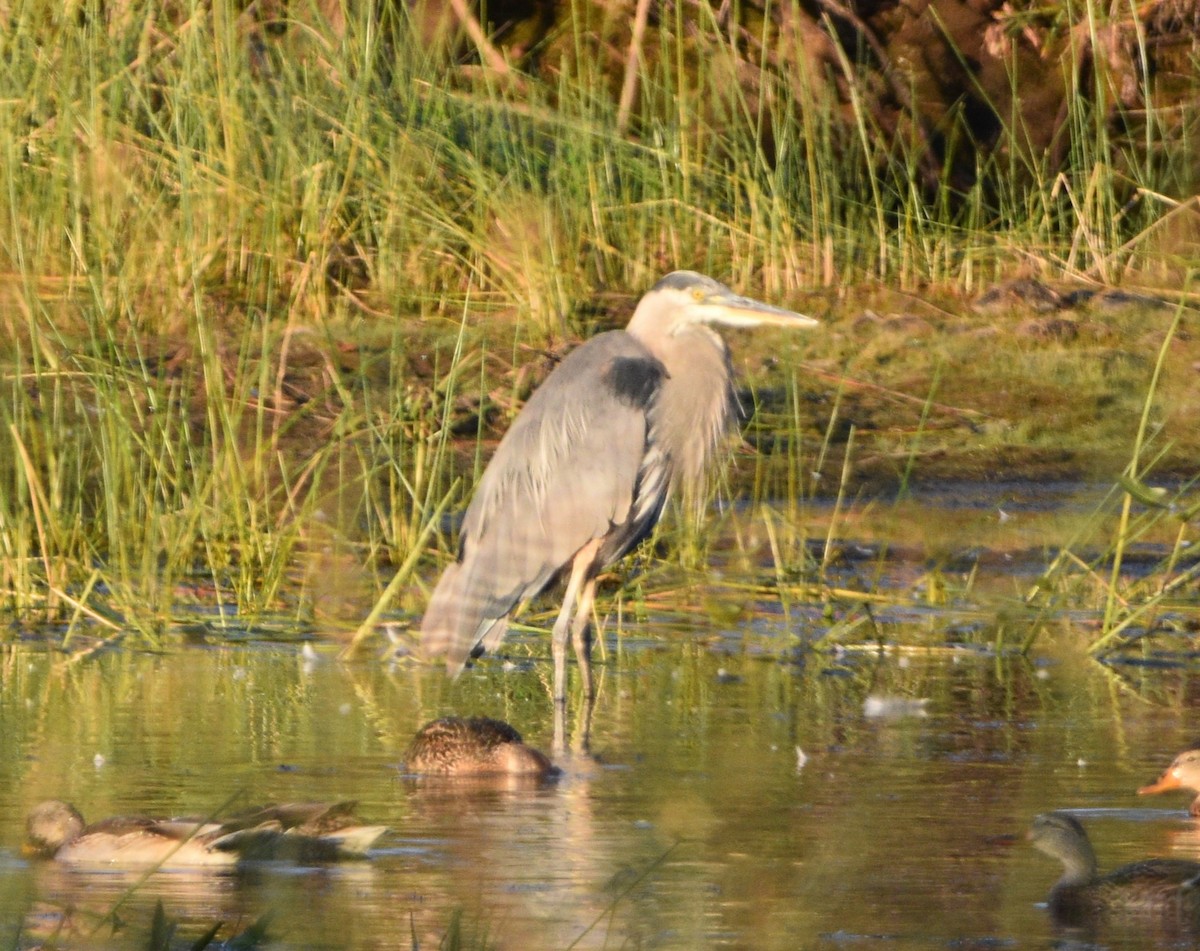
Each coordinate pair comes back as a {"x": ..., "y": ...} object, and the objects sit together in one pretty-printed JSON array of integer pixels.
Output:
[{"x": 273, "y": 284}]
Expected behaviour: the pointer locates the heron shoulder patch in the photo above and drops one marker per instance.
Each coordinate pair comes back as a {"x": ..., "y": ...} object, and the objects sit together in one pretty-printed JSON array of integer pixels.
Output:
[{"x": 634, "y": 380}]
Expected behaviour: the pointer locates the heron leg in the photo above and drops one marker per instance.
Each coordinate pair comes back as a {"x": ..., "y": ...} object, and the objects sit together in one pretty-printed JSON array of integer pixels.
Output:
[
  {"x": 581, "y": 635},
  {"x": 581, "y": 566},
  {"x": 562, "y": 629}
]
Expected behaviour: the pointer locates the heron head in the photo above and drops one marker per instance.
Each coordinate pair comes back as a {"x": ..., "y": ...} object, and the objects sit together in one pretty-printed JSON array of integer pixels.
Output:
[{"x": 684, "y": 298}]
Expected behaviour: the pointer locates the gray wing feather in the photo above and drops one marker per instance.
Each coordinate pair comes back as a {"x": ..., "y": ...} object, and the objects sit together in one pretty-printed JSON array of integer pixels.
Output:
[{"x": 564, "y": 474}]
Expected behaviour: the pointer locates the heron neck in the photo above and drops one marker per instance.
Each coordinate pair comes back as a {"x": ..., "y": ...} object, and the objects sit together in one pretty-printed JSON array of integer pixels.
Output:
[{"x": 696, "y": 405}]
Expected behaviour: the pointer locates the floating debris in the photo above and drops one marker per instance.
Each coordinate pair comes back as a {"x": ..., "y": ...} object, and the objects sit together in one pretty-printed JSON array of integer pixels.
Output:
[{"x": 893, "y": 708}]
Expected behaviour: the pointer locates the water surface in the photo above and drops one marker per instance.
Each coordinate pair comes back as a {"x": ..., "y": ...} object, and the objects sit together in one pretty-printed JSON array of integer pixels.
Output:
[
  {"x": 687, "y": 823},
  {"x": 736, "y": 790}
]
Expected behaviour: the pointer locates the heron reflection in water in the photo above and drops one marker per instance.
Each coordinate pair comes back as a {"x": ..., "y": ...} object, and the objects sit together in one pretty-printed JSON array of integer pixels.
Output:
[{"x": 584, "y": 472}]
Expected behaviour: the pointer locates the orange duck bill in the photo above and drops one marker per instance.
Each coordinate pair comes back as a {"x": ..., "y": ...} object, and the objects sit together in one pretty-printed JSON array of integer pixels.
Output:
[
  {"x": 1165, "y": 783},
  {"x": 1183, "y": 773}
]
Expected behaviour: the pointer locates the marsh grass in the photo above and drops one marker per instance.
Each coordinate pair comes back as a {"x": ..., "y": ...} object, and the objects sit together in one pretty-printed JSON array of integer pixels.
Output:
[
  {"x": 1153, "y": 595},
  {"x": 268, "y": 307},
  {"x": 1131, "y": 569}
]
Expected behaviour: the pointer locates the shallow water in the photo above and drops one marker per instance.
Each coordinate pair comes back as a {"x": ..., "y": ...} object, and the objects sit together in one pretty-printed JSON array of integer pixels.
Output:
[
  {"x": 687, "y": 817},
  {"x": 689, "y": 822}
]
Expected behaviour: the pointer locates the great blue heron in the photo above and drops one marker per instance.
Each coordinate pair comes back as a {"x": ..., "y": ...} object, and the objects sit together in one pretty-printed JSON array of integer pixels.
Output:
[{"x": 583, "y": 474}]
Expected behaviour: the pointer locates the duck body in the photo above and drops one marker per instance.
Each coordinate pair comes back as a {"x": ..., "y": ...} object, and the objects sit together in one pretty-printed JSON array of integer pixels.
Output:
[
  {"x": 1183, "y": 773},
  {"x": 474, "y": 746},
  {"x": 1159, "y": 887},
  {"x": 298, "y": 832},
  {"x": 1146, "y": 887}
]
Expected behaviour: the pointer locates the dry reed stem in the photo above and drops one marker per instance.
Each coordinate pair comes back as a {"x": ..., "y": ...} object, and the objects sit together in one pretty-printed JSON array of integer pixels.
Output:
[
  {"x": 492, "y": 56},
  {"x": 632, "y": 65}
]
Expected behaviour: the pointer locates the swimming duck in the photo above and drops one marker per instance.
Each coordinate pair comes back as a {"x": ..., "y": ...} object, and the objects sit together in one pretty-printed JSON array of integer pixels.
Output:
[
  {"x": 1183, "y": 773},
  {"x": 310, "y": 827},
  {"x": 1157, "y": 886},
  {"x": 474, "y": 746},
  {"x": 298, "y": 832}
]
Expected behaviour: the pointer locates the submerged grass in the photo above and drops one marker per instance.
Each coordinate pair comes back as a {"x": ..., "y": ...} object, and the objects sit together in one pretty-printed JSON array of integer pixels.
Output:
[{"x": 269, "y": 306}]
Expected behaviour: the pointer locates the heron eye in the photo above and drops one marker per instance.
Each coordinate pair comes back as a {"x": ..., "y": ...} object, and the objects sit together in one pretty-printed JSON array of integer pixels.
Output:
[{"x": 697, "y": 295}]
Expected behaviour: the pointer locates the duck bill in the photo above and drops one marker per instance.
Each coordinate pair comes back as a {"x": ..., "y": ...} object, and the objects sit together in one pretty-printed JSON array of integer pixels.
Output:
[{"x": 1166, "y": 782}]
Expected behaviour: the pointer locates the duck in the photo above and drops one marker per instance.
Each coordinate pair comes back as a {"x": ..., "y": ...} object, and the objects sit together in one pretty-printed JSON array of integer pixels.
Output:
[
  {"x": 474, "y": 746},
  {"x": 1183, "y": 773},
  {"x": 1166, "y": 887},
  {"x": 296, "y": 832}
]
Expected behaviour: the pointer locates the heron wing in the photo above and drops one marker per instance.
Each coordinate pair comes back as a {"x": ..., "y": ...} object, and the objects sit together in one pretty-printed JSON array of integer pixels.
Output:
[{"x": 569, "y": 470}]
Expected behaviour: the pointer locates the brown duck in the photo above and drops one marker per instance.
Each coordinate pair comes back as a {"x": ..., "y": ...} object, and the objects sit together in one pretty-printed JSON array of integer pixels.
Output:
[
  {"x": 1166, "y": 887},
  {"x": 474, "y": 746},
  {"x": 1183, "y": 773},
  {"x": 298, "y": 832}
]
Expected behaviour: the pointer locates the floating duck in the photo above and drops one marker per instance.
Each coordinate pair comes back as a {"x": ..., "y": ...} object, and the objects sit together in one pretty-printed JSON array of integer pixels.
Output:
[
  {"x": 1183, "y": 773},
  {"x": 298, "y": 832},
  {"x": 474, "y": 746},
  {"x": 1158, "y": 886}
]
